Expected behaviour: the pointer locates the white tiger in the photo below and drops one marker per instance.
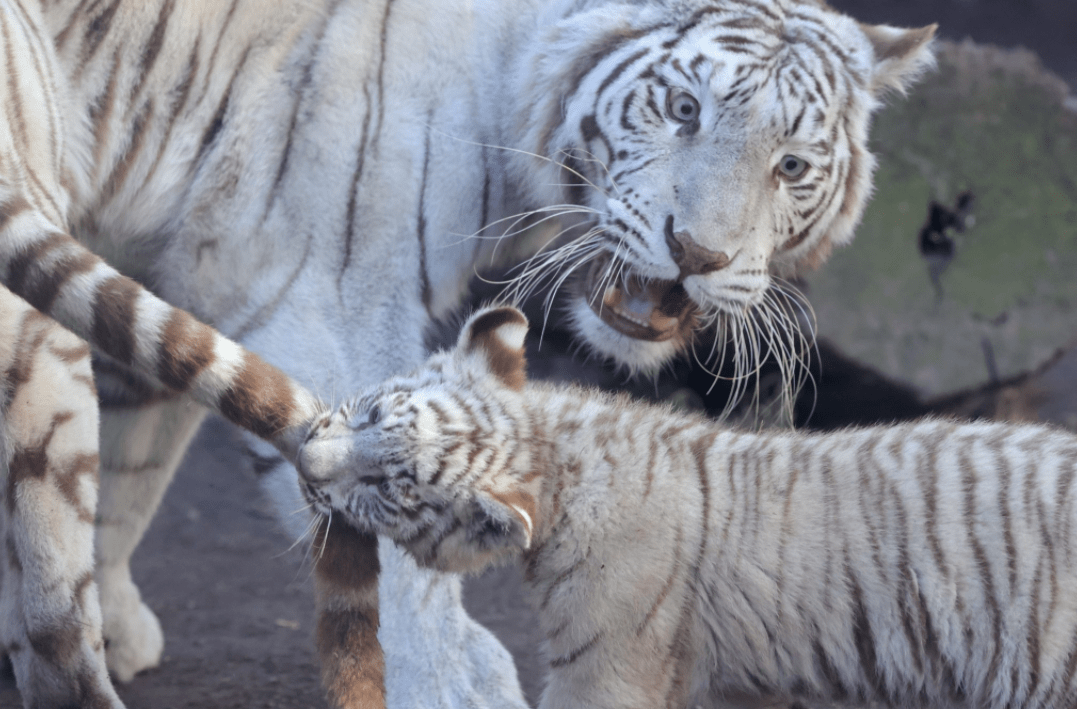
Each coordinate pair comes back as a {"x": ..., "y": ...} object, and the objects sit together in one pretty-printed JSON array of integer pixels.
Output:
[
  {"x": 302, "y": 176},
  {"x": 928, "y": 564}
]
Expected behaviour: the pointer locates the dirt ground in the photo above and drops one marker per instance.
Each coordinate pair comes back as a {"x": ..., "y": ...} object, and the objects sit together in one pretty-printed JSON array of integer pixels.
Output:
[{"x": 236, "y": 603}]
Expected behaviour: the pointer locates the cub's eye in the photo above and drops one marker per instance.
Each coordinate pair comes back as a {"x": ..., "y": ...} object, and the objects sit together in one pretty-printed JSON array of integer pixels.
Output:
[
  {"x": 682, "y": 106},
  {"x": 792, "y": 167},
  {"x": 375, "y": 415}
]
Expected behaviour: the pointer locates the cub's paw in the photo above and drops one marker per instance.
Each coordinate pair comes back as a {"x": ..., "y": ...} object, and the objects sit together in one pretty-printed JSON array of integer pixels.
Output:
[{"x": 133, "y": 637}]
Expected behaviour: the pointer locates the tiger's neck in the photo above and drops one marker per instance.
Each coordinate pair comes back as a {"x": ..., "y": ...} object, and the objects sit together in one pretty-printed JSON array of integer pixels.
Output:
[
  {"x": 597, "y": 444},
  {"x": 607, "y": 566}
]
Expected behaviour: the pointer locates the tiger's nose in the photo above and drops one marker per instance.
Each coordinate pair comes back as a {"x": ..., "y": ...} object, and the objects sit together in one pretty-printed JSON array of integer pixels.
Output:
[{"x": 690, "y": 257}]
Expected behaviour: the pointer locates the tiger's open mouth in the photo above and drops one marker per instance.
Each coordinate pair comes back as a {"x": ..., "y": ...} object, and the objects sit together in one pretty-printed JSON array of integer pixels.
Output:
[{"x": 652, "y": 310}]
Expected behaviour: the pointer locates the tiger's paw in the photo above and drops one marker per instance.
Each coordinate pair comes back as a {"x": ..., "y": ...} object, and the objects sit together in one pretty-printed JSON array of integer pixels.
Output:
[
  {"x": 134, "y": 643},
  {"x": 65, "y": 669},
  {"x": 83, "y": 684},
  {"x": 134, "y": 640}
]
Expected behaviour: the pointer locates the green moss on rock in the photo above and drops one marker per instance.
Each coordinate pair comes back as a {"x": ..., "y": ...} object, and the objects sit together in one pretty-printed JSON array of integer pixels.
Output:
[{"x": 997, "y": 125}]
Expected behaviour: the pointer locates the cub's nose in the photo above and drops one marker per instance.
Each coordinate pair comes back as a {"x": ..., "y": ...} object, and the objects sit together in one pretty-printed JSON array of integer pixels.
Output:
[
  {"x": 323, "y": 460},
  {"x": 690, "y": 257}
]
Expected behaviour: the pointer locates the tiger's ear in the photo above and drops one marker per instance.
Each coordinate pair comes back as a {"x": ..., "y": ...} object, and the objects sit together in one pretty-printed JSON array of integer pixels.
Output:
[
  {"x": 487, "y": 529},
  {"x": 500, "y": 525},
  {"x": 901, "y": 55},
  {"x": 497, "y": 334}
]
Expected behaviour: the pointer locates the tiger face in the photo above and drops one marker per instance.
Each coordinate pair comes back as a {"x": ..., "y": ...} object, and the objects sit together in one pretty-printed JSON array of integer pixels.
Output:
[
  {"x": 386, "y": 489},
  {"x": 715, "y": 147}
]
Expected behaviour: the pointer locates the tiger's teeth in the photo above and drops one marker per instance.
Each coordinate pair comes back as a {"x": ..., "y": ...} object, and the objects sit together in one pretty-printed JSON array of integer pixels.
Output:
[
  {"x": 620, "y": 302},
  {"x": 650, "y": 310}
]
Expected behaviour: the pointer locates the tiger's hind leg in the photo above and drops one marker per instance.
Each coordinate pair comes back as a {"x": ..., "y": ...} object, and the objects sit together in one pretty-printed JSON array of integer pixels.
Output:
[
  {"x": 144, "y": 433},
  {"x": 50, "y": 617}
]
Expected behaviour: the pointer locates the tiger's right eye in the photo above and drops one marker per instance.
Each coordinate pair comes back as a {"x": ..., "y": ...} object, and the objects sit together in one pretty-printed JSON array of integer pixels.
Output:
[
  {"x": 682, "y": 106},
  {"x": 375, "y": 415}
]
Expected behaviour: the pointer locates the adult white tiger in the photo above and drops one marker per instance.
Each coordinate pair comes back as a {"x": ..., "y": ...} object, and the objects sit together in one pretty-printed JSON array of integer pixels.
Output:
[{"x": 298, "y": 174}]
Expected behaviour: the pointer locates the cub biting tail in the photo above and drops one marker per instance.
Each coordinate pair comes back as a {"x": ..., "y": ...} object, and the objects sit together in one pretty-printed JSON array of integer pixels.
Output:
[{"x": 928, "y": 564}]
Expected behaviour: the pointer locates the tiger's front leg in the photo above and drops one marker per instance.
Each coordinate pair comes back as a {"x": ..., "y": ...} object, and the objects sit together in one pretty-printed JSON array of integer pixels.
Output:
[
  {"x": 145, "y": 432},
  {"x": 50, "y": 618},
  {"x": 436, "y": 655}
]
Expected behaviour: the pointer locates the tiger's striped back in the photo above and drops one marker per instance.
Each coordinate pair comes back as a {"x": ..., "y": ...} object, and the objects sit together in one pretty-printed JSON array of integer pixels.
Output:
[{"x": 927, "y": 564}]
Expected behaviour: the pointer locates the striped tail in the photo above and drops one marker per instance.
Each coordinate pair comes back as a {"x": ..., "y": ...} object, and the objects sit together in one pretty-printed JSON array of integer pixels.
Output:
[
  {"x": 346, "y": 588},
  {"x": 64, "y": 280}
]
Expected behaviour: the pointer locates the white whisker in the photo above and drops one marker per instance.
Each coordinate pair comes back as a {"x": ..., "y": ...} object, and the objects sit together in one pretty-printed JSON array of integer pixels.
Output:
[
  {"x": 311, "y": 525},
  {"x": 519, "y": 152},
  {"x": 605, "y": 168}
]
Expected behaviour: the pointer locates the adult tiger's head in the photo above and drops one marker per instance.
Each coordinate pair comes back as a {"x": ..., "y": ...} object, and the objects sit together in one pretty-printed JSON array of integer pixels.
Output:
[{"x": 716, "y": 144}]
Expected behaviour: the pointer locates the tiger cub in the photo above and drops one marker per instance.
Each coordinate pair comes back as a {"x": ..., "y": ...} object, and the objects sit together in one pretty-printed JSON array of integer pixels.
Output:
[{"x": 670, "y": 559}]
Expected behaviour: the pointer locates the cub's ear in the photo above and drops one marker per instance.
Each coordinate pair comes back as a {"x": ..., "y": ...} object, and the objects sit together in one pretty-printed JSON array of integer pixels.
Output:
[
  {"x": 501, "y": 523},
  {"x": 497, "y": 334},
  {"x": 901, "y": 55}
]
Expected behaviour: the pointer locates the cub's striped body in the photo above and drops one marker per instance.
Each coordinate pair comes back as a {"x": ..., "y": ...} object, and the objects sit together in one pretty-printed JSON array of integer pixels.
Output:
[
  {"x": 927, "y": 564},
  {"x": 302, "y": 175}
]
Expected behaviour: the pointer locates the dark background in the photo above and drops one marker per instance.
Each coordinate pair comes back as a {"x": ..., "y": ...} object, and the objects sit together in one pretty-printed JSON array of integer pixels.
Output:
[{"x": 1048, "y": 27}]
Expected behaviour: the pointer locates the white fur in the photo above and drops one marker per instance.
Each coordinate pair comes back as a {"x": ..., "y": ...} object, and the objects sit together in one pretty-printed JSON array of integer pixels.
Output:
[
  {"x": 267, "y": 230},
  {"x": 47, "y": 592}
]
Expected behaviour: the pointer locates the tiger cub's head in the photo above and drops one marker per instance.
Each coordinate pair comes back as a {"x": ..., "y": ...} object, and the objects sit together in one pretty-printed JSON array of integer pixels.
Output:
[
  {"x": 433, "y": 459},
  {"x": 715, "y": 146}
]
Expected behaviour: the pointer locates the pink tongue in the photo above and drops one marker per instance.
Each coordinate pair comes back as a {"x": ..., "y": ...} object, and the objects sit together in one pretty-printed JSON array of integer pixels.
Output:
[{"x": 641, "y": 310}]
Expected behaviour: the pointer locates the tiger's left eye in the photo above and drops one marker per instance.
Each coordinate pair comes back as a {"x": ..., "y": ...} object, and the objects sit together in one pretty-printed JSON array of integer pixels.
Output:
[
  {"x": 792, "y": 167},
  {"x": 682, "y": 106}
]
